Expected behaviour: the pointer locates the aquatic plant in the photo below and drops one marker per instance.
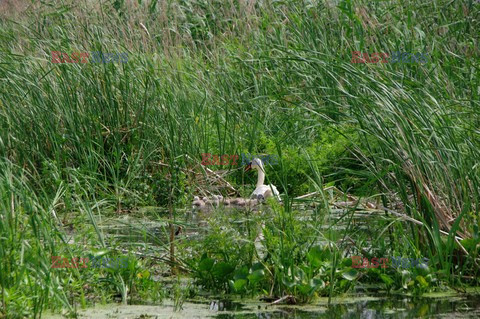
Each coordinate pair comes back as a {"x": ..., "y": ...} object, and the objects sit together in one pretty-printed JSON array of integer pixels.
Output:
[{"x": 81, "y": 142}]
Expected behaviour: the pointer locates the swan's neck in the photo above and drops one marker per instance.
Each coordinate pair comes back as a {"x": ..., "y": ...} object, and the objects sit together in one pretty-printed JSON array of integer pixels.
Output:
[{"x": 261, "y": 177}]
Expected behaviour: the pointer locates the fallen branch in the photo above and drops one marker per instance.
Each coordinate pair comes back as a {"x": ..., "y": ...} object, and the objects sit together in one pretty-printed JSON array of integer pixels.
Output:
[
  {"x": 307, "y": 195},
  {"x": 218, "y": 177},
  {"x": 289, "y": 298},
  {"x": 222, "y": 179}
]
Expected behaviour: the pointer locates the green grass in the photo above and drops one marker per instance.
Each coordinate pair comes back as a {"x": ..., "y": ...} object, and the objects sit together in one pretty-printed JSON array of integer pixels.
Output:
[{"x": 261, "y": 77}]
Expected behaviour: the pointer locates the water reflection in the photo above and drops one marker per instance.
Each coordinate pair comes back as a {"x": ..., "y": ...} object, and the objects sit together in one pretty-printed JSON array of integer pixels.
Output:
[{"x": 458, "y": 307}]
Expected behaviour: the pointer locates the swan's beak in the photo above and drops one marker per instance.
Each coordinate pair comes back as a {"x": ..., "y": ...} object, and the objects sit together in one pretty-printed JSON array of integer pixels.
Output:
[{"x": 248, "y": 167}]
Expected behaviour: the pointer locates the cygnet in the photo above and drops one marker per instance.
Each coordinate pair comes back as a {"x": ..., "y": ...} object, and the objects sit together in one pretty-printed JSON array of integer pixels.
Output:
[
  {"x": 207, "y": 201},
  {"x": 216, "y": 200},
  {"x": 197, "y": 203},
  {"x": 240, "y": 202}
]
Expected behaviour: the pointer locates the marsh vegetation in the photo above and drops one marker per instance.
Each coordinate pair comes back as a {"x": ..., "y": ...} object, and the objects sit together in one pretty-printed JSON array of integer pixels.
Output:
[{"x": 102, "y": 160}]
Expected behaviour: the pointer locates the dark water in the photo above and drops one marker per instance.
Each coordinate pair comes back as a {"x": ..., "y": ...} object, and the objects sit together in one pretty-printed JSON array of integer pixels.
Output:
[
  {"x": 365, "y": 305},
  {"x": 393, "y": 307}
]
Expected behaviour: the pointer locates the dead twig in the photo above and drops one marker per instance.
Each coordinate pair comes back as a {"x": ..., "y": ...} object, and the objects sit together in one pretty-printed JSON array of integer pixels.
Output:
[
  {"x": 288, "y": 298},
  {"x": 144, "y": 28}
]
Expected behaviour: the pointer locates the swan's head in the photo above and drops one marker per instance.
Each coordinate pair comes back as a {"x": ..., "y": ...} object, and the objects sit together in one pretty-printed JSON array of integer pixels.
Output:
[{"x": 256, "y": 163}]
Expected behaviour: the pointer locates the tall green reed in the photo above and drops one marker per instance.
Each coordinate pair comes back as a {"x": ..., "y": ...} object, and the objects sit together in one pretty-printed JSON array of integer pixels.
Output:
[{"x": 210, "y": 79}]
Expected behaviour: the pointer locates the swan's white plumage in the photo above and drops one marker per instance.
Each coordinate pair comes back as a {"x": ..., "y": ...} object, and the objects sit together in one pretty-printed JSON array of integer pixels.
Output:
[
  {"x": 266, "y": 191},
  {"x": 261, "y": 189}
]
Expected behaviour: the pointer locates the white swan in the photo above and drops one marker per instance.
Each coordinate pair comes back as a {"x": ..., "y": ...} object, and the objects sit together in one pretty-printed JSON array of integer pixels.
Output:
[{"x": 262, "y": 190}]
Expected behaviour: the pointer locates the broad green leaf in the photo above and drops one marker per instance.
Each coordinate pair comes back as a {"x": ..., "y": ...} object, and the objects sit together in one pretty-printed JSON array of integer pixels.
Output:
[
  {"x": 406, "y": 275},
  {"x": 221, "y": 270},
  {"x": 350, "y": 275},
  {"x": 206, "y": 264},
  {"x": 288, "y": 283},
  {"x": 423, "y": 283},
  {"x": 317, "y": 283},
  {"x": 239, "y": 284},
  {"x": 386, "y": 279},
  {"x": 256, "y": 276},
  {"x": 304, "y": 289},
  {"x": 314, "y": 256},
  {"x": 257, "y": 266},
  {"x": 241, "y": 273}
]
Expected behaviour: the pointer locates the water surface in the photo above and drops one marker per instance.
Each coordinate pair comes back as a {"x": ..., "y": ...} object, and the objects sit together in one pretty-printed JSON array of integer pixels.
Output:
[{"x": 360, "y": 306}]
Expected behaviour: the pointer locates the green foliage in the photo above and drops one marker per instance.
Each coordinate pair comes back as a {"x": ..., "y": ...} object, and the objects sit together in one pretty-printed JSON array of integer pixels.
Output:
[
  {"x": 228, "y": 277},
  {"x": 329, "y": 152},
  {"x": 290, "y": 265},
  {"x": 221, "y": 77}
]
